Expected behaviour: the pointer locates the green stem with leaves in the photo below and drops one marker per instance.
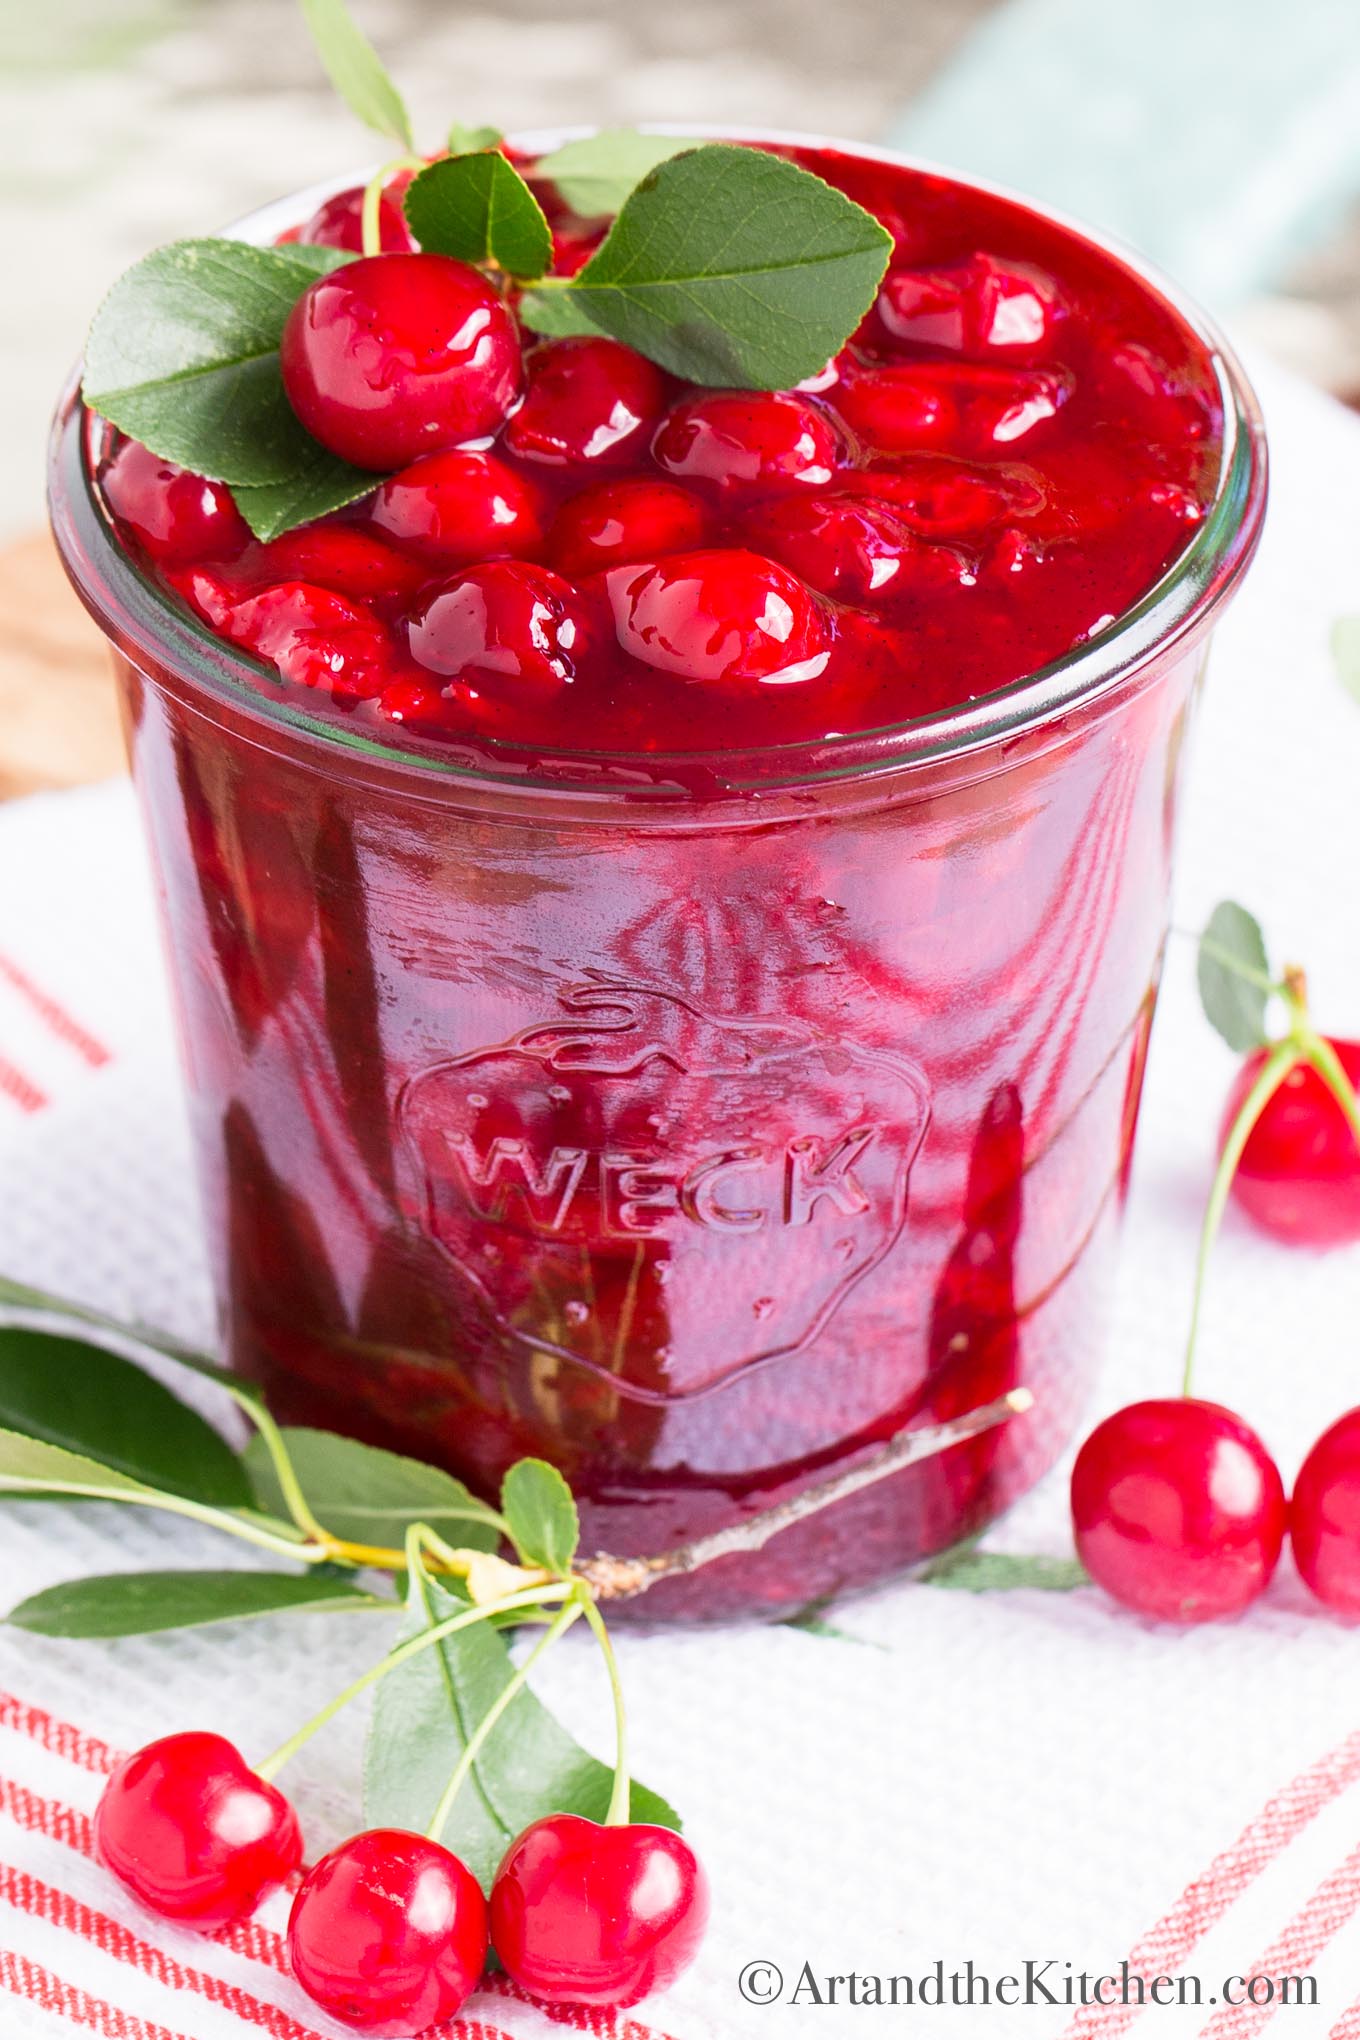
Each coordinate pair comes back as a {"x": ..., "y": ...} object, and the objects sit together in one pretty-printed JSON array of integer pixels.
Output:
[
  {"x": 530, "y": 1598},
  {"x": 1327, "y": 1063},
  {"x": 575, "y": 1608},
  {"x": 371, "y": 212},
  {"x": 1282, "y": 1059},
  {"x": 1301, "y": 1044},
  {"x": 621, "y": 1796}
]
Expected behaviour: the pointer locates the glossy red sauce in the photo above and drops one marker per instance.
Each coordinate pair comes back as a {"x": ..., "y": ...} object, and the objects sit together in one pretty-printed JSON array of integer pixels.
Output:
[{"x": 1009, "y": 453}]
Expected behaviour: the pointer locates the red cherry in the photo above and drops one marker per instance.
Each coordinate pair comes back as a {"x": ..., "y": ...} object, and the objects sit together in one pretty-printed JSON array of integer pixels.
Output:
[
  {"x": 852, "y": 547},
  {"x": 191, "y": 1831},
  {"x": 616, "y": 523},
  {"x": 1324, "y": 1516},
  {"x": 977, "y": 308},
  {"x": 454, "y": 508},
  {"x": 416, "y": 704},
  {"x": 1299, "y": 1176},
  {"x": 746, "y": 440},
  {"x": 943, "y": 498},
  {"x": 719, "y": 616},
  {"x": 926, "y": 403},
  {"x": 1178, "y": 1509},
  {"x": 572, "y": 250},
  {"x": 177, "y": 517},
  {"x": 894, "y": 410},
  {"x": 588, "y": 402},
  {"x": 314, "y": 637},
  {"x": 342, "y": 558},
  {"x": 399, "y": 355},
  {"x": 338, "y": 222},
  {"x": 589, "y": 1915},
  {"x": 512, "y": 630},
  {"x": 388, "y": 1933}
]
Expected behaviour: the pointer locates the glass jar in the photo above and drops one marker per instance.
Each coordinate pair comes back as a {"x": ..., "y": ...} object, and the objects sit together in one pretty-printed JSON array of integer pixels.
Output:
[{"x": 695, "y": 1122}]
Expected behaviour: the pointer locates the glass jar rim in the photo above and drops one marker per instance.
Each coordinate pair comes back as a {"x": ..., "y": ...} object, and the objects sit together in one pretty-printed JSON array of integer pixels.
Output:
[{"x": 144, "y": 620}]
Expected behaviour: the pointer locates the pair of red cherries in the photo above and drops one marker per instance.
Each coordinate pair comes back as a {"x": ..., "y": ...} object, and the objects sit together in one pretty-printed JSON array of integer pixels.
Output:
[
  {"x": 1178, "y": 1508},
  {"x": 389, "y": 1933}
]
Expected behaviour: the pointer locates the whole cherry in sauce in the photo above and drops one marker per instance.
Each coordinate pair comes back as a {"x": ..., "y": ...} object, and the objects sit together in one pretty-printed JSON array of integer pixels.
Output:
[
  {"x": 452, "y": 509},
  {"x": 398, "y": 355},
  {"x": 174, "y": 516},
  {"x": 515, "y": 630},
  {"x": 587, "y": 404},
  {"x": 615, "y": 523},
  {"x": 980, "y": 308},
  {"x": 743, "y": 441},
  {"x": 855, "y": 547},
  {"x": 338, "y": 222},
  {"x": 719, "y": 616}
]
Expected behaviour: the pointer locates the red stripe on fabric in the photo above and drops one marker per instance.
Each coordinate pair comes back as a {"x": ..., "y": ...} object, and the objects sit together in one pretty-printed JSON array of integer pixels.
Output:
[
  {"x": 1163, "y": 1951},
  {"x": 60, "y": 1909},
  {"x": 39, "y": 1986},
  {"x": 1347, "y": 2026},
  {"x": 58, "y": 1021},
  {"x": 46, "y": 1816},
  {"x": 24, "y": 1092},
  {"x": 249, "y": 1938},
  {"x": 1335, "y": 1901},
  {"x": 45, "y": 1902},
  {"x": 60, "y": 1737},
  {"x": 600, "y": 2024},
  {"x": 258, "y": 1943}
]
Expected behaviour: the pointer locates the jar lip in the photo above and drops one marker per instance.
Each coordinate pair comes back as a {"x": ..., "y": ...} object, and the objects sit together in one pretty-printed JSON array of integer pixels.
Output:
[{"x": 144, "y": 619}]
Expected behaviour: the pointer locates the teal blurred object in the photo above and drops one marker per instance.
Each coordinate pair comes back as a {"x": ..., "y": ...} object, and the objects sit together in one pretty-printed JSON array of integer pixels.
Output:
[{"x": 1220, "y": 137}]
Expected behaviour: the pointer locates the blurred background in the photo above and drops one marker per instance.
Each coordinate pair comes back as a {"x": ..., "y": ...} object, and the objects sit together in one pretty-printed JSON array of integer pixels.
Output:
[{"x": 1220, "y": 136}]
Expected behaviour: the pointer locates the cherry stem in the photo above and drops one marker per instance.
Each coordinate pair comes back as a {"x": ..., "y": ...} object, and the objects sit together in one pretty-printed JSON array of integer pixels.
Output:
[
  {"x": 558, "y": 1627},
  {"x": 284, "y": 1471},
  {"x": 1328, "y": 1065},
  {"x": 370, "y": 215},
  {"x": 619, "y": 1810},
  {"x": 1284, "y": 1057},
  {"x": 1260, "y": 978},
  {"x": 528, "y": 1598},
  {"x": 623, "y": 1579},
  {"x": 265, "y": 1534}
]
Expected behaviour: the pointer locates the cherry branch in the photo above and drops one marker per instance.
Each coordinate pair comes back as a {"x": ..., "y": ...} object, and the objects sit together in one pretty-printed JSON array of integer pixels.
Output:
[{"x": 623, "y": 1579}]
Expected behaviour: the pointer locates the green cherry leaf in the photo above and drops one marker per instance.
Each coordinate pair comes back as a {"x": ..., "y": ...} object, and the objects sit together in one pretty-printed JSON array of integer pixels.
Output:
[
  {"x": 730, "y": 266},
  {"x": 321, "y": 484},
  {"x": 558, "y": 311},
  {"x": 368, "y": 1496},
  {"x": 529, "y": 1766},
  {"x": 1346, "y": 653},
  {"x": 463, "y": 140},
  {"x": 88, "y": 1400},
  {"x": 538, "y": 1507},
  {"x": 138, "y": 1604},
  {"x": 1234, "y": 976},
  {"x": 595, "y": 175},
  {"x": 30, "y": 1466},
  {"x": 985, "y": 1572},
  {"x": 356, "y": 70},
  {"x": 183, "y": 355},
  {"x": 479, "y": 209}
]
